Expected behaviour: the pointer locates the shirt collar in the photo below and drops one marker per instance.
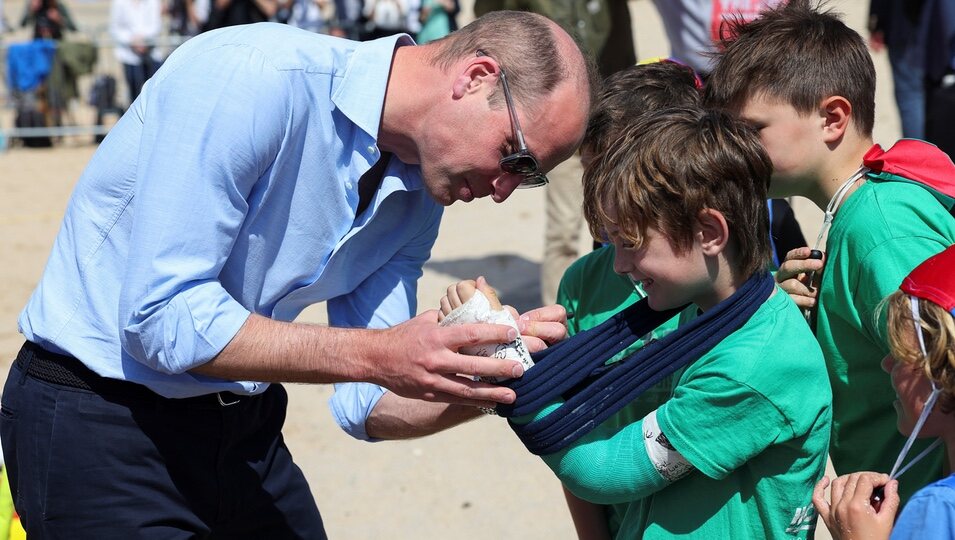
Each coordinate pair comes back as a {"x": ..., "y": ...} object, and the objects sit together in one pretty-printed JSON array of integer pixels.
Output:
[{"x": 361, "y": 94}]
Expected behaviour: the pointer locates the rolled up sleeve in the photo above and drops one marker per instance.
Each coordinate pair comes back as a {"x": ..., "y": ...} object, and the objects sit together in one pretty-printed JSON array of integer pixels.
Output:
[{"x": 209, "y": 138}]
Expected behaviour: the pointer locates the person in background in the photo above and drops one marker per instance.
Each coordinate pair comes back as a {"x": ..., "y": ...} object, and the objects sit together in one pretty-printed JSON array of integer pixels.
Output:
[
  {"x": 895, "y": 25},
  {"x": 50, "y": 18},
  {"x": 435, "y": 17},
  {"x": 311, "y": 15},
  {"x": 135, "y": 26},
  {"x": 807, "y": 82},
  {"x": 385, "y": 18},
  {"x": 233, "y": 12}
]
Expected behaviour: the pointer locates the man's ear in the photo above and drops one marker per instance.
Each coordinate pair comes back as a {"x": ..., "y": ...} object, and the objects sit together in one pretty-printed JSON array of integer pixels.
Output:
[
  {"x": 837, "y": 114},
  {"x": 478, "y": 71},
  {"x": 712, "y": 232}
]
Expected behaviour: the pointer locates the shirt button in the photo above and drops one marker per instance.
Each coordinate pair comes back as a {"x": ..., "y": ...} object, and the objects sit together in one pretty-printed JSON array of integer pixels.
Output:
[{"x": 372, "y": 150}]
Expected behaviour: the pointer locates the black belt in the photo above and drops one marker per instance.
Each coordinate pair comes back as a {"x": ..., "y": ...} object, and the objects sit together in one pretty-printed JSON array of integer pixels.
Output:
[{"x": 62, "y": 370}]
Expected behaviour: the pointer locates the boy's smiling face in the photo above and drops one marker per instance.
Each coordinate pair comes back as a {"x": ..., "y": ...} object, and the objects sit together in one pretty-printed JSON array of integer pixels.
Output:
[
  {"x": 669, "y": 277},
  {"x": 792, "y": 139}
]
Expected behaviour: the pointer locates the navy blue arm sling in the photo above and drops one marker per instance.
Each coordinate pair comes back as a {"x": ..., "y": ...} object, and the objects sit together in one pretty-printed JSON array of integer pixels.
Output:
[{"x": 575, "y": 369}]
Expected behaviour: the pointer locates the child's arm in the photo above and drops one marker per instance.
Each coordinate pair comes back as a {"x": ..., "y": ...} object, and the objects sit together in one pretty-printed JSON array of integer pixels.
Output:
[
  {"x": 610, "y": 465},
  {"x": 590, "y": 520}
]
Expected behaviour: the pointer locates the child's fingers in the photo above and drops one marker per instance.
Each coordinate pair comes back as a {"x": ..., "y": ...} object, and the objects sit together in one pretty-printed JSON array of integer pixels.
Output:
[
  {"x": 482, "y": 285},
  {"x": 445, "y": 308},
  {"x": 798, "y": 262},
  {"x": 819, "y": 499},
  {"x": 890, "y": 499},
  {"x": 459, "y": 293},
  {"x": 836, "y": 489}
]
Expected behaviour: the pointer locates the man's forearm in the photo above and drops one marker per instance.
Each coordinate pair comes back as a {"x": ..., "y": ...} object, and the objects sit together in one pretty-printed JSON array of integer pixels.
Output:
[
  {"x": 416, "y": 359},
  {"x": 395, "y": 417},
  {"x": 275, "y": 351}
]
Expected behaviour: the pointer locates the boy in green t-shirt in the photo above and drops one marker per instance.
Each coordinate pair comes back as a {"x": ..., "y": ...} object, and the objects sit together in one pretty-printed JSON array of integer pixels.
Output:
[
  {"x": 590, "y": 290},
  {"x": 806, "y": 82},
  {"x": 737, "y": 449}
]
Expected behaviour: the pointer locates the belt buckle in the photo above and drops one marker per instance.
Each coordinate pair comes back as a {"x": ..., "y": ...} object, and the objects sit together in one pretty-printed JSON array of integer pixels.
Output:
[{"x": 224, "y": 403}]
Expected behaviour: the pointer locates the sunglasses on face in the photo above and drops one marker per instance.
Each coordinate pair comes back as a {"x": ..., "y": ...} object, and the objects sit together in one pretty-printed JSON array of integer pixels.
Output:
[{"x": 522, "y": 162}]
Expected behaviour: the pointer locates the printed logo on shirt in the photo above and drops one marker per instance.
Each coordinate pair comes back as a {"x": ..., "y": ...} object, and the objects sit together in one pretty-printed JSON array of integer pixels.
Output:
[{"x": 803, "y": 520}]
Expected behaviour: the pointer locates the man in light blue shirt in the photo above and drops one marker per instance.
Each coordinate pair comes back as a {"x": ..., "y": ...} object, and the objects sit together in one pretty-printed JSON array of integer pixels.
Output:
[{"x": 264, "y": 169}]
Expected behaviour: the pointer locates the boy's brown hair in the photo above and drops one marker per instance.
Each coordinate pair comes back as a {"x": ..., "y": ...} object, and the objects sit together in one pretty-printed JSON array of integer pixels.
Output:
[
  {"x": 796, "y": 52},
  {"x": 666, "y": 167},
  {"x": 637, "y": 90}
]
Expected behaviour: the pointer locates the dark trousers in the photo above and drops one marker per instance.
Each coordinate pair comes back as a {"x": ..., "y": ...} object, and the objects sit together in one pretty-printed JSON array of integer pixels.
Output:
[
  {"x": 128, "y": 463},
  {"x": 138, "y": 74}
]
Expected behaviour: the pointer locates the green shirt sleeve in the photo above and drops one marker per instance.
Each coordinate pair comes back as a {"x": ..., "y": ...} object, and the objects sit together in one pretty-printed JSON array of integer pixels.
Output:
[
  {"x": 568, "y": 295},
  {"x": 880, "y": 273},
  {"x": 718, "y": 423}
]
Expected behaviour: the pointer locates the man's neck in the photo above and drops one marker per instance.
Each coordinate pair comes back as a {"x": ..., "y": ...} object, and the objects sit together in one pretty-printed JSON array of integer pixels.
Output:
[{"x": 411, "y": 76}]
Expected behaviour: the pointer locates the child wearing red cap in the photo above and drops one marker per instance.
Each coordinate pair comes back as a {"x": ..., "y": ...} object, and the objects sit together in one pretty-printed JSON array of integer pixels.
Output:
[{"x": 921, "y": 326}]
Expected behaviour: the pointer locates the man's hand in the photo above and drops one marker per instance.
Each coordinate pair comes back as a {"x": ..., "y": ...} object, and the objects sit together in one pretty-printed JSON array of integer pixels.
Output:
[
  {"x": 420, "y": 360},
  {"x": 799, "y": 276},
  {"x": 851, "y": 514}
]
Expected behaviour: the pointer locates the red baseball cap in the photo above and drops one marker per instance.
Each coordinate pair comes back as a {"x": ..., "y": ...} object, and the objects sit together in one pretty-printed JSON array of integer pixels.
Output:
[{"x": 934, "y": 280}]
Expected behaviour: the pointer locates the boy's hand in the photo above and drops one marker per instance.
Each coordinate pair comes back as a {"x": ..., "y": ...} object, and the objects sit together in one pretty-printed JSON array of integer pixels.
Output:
[
  {"x": 851, "y": 515},
  {"x": 475, "y": 302},
  {"x": 799, "y": 276},
  {"x": 539, "y": 327},
  {"x": 462, "y": 291}
]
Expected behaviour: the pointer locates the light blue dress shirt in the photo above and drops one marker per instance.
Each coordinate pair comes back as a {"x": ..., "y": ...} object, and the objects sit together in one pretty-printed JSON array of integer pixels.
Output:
[{"x": 230, "y": 187}]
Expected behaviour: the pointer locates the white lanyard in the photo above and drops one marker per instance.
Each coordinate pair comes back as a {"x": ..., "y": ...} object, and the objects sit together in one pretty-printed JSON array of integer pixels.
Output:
[
  {"x": 926, "y": 409},
  {"x": 834, "y": 203}
]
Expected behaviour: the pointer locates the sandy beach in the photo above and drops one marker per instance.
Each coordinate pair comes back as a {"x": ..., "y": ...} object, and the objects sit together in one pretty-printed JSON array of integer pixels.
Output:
[{"x": 473, "y": 482}]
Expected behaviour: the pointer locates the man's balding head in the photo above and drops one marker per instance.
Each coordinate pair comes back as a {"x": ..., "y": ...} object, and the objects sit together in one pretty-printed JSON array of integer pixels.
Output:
[{"x": 537, "y": 54}]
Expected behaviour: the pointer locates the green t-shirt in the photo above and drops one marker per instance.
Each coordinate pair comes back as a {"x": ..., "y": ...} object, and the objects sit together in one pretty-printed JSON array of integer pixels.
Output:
[
  {"x": 592, "y": 292},
  {"x": 752, "y": 416},
  {"x": 883, "y": 231}
]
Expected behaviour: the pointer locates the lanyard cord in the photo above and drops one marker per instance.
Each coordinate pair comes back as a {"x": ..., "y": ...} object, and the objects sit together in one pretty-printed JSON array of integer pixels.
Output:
[
  {"x": 916, "y": 459},
  {"x": 834, "y": 203},
  {"x": 926, "y": 409}
]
